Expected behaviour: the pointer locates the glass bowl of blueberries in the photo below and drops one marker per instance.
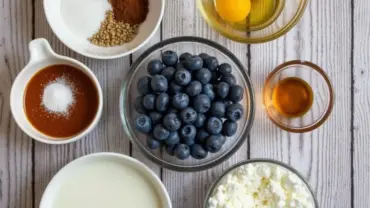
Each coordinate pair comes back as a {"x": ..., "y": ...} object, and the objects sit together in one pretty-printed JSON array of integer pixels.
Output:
[{"x": 187, "y": 104}]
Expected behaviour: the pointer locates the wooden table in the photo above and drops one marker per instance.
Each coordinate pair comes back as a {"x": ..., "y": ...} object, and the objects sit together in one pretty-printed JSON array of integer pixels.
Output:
[{"x": 335, "y": 158}]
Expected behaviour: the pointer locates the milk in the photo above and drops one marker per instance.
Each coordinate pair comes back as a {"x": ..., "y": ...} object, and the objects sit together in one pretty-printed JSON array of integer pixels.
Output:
[{"x": 106, "y": 184}]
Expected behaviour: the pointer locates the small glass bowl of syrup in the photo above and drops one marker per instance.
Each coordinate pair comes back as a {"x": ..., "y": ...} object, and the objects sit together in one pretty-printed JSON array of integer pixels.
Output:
[{"x": 298, "y": 96}]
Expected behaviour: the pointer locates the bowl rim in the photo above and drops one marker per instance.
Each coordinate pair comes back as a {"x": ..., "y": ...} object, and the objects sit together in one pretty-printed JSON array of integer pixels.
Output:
[
  {"x": 108, "y": 155},
  {"x": 259, "y": 160},
  {"x": 249, "y": 119},
  {"x": 102, "y": 57},
  {"x": 276, "y": 35},
  {"x": 329, "y": 107}
]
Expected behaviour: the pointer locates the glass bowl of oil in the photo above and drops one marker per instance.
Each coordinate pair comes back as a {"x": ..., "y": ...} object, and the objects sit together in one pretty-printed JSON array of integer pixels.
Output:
[
  {"x": 263, "y": 20},
  {"x": 298, "y": 96}
]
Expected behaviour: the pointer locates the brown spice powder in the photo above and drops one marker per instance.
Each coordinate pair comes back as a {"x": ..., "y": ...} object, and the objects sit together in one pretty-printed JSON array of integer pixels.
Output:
[{"x": 130, "y": 11}]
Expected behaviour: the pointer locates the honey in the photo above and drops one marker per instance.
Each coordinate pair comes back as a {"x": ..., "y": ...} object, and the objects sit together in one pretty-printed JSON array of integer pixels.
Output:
[{"x": 292, "y": 97}]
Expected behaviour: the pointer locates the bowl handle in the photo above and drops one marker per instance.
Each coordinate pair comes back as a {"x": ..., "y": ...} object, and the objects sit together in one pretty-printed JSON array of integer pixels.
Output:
[{"x": 40, "y": 49}]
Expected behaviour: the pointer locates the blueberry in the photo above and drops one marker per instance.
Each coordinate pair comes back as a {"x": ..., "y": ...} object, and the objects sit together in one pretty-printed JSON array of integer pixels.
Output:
[
  {"x": 198, "y": 152},
  {"x": 193, "y": 63},
  {"x": 187, "y": 134},
  {"x": 201, "y": 120},
  {"x": 209, "y": 91},
  {"x": 216, "y": 76},
  {"x": 180, "y": 101},
  {"x": 149, "y": 101},
  {"x": 143, "y": 85},
  {"x": 204, "y": 75},
  {"x": 152, "y": 143},
  {"x": 182, "y": 151},
  {"x": 222, "y": 90},
  {"x": 180, "y": 65},
  {"x": 214, "y": 143},
  {"x": 236, "y": 93},
  {"x": 185, "y": 56},
  {"x": 169, "y": 73},
  {"x": 229, "y": 79},
  {"x": 171, "y": 110},
  {"x": 143, "y": 123},
  {"x": 224, "y": 69},
  {"x": 155, "y": 67},
  {"x": 159, "y": 84},
  {"x": 169, "y": 58},
  {"x": 182, "y": 77},
  {"x": 227, "y": 103},
  {"x": 162, "y": 102},
  {"x": 174, "y": 88},
  {"x": 160, "y": 132},
  {"x": 218, "y": 109},
  {"x": 172, "y": 139},
  {"x": 201, "y": 136},
  {"x": 194, "y": 88},
  {"x": 222, "y": 138},
  {"x": 214, "y": 125},
  {"x": 188, "y": 115},
  {"x": 155, "y": 117},
  {"x": 204, "y": 56},
  {"x": 170, "y": 149},
  {"x": 229, "y": 128},
  {"x": 172, "y": 122},
  {"x": 202, "y": 103},
  {"x": 211, "y": 63},
  {"x": 139, "y": 107},
  {"x": 234, "y": 112}
]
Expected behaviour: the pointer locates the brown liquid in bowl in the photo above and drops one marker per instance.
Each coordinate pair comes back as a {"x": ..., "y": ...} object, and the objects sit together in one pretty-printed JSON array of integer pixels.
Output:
[{"x": 80, "y": 114}]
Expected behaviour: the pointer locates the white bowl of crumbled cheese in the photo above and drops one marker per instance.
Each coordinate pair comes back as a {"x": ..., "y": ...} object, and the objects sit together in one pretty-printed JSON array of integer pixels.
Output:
[
  {"x": 261, "y": 183},
  {"x": 76, "y": 22}
]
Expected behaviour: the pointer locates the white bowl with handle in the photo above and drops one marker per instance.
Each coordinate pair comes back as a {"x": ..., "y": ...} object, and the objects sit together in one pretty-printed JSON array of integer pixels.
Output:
[
  {"x": 43, "y": 56},
  {"x": 73, "y": 22}
]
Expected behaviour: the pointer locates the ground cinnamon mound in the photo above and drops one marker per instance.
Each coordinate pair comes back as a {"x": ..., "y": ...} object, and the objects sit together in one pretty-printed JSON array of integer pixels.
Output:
[{"x": 130, "y": 11}]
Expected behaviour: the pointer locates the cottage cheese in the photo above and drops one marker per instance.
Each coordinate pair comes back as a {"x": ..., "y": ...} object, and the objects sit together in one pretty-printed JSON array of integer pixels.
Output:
[{"x": 261, "y": 185}]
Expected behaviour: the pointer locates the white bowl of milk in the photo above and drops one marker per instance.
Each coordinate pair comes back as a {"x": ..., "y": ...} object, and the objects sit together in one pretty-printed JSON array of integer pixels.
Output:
[{"x": 105, "y": 180}]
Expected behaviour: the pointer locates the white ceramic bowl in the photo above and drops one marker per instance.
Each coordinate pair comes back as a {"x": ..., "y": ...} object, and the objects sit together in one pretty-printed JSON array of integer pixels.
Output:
[
  {"x": 86, "y": 163},
  {"x": 42, "y": 56},
  {"x": 74, "y": 22}
]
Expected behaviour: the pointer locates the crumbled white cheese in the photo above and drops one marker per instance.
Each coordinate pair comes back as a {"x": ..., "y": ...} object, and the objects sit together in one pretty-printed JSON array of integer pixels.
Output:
[{"x": 261, "y": 185}]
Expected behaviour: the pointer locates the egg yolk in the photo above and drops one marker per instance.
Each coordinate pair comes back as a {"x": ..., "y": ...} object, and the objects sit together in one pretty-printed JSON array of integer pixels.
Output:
[{"x": 233, "y": 10}]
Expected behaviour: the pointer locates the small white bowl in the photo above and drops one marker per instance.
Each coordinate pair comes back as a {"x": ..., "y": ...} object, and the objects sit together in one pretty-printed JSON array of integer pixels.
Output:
[
  {"x": 42, "y": 56},
  {"x": 99, "y": 164},
  {"x": 73, "y": 22}
]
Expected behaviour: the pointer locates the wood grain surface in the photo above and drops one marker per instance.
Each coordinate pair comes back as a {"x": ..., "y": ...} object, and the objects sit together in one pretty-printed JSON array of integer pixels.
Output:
[
  {"x": 361, "y": 105},
  {"x": 334, "y": 158},
  {"x": 16, "y": 165}
]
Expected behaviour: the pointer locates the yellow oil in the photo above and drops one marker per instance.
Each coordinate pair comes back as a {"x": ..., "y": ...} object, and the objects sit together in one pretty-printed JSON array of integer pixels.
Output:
[{"x": 292, "y": 97}]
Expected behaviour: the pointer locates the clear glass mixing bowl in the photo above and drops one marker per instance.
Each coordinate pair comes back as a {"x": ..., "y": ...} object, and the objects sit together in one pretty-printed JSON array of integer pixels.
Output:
[{"x": 129, "y": 93}]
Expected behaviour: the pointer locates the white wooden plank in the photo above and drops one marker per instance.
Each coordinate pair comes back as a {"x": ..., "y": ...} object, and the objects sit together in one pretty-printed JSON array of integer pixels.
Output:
[
  {"x": 15, "y": 146},
  {"x": 108, "y": 135},
  {"x": 189, "y": 189},
  {"x": 322, "y": 156},
  {"x": 361, "y": 93}
]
